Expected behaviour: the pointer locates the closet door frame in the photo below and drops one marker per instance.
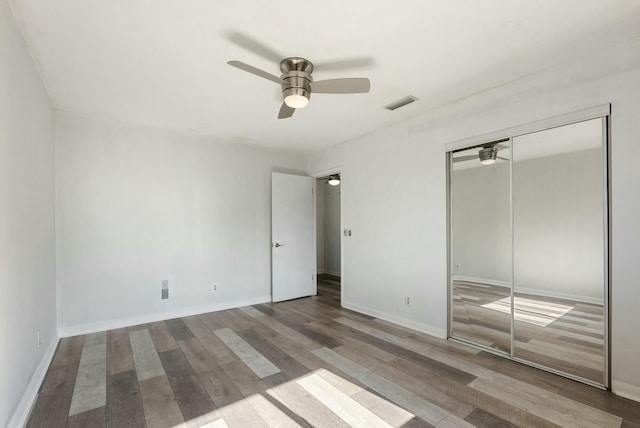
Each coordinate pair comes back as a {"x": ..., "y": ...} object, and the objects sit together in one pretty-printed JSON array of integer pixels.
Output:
[{"x": 603, "y": 112}]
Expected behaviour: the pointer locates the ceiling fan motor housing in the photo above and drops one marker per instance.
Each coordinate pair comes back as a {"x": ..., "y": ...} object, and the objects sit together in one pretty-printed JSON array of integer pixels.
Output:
[
  {"x": 296, "y": 73},
  {"x": 488, "y": 154}
]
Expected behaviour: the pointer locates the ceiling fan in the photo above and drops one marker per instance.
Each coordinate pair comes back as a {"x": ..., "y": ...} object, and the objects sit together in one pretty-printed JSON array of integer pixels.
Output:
[
  {"x": 487, "y": 154},
  {"x": 297, "y": 83}
]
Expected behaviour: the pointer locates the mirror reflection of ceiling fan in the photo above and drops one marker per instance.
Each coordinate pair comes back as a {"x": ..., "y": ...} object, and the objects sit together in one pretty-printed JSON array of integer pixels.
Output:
[
  {"x": 487, "y": 154},
  {"x": 295, "y": 80}
]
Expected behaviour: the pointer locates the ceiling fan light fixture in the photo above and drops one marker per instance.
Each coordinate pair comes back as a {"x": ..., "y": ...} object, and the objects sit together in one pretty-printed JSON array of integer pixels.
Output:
[
  {"x": 296, "y": 97},
  {"x": 296, "y": 101},
  {"x": 334, "y": 180},
  {"x": 297, "y": 83},
  {"x": 488, "y": 155}
]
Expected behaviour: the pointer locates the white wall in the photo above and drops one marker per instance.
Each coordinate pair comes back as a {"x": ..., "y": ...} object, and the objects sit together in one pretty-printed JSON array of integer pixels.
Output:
[
  {"x": 135, "y": 206},
  {"x": 27, "y": 252},
  {"x": 398, "y": 247},
  {"x": 328, "y": 227},
  {"x": 398, "y": 235},
  {"x": 321, "y": 186},
  {"x": 332, "y": 229}
]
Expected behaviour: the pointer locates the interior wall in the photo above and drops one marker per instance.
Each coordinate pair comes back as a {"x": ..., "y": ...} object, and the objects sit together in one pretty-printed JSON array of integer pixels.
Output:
[
  {"x": 558, "y": 225},
  {"x": 481, "y": 223},
  {"x": 27, "y": 249},
  {"x": 320, "y": 195},
  {"x": 136, "y": 206},
  {"x": 398, "y": 247},
  {"x": 331, "y": 229}
]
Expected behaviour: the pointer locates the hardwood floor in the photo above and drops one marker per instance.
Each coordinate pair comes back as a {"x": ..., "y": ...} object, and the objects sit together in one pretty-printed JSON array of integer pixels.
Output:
[
  {"x": 561, "y": 334},
  {"x": 306, "y": 362}
]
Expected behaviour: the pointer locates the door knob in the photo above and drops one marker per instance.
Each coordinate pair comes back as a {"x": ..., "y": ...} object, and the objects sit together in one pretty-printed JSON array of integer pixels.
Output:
[{"x": 277, "y": 244}]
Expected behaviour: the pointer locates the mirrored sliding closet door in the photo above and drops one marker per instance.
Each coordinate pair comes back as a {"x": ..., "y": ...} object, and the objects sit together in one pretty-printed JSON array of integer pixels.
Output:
[
  {"x": 481, "y": 245},
  {"x": 558, "y": 249},
  {"x": 528, "y": 235}
]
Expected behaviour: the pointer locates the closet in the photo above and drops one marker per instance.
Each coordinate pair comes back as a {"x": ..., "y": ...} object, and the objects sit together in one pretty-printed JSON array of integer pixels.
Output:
[{"x": 528, "y": 236}]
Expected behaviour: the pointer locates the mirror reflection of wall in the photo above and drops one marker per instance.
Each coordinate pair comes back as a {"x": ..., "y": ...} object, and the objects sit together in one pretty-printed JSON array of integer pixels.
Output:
[
  {"x": 558, "y": 220},
  {"x": 545, "y": 212},
  {"x": 481, "y": 243},
  {"x": 481, "y": 214}
]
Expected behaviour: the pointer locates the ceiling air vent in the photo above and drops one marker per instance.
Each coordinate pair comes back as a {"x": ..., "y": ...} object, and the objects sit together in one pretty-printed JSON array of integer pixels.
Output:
[{"x": 401, "y": 102}]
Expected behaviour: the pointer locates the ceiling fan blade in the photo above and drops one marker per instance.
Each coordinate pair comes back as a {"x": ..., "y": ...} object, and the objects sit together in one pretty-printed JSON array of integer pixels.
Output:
[
  {"x": 255, "y": 46},
  {"x": 346, "y": 63},
  {"x": 465, "y": 158},
  {"x": 352, "y": 85},
  {"x": 501, "y": 158},
  {"x": 253, "y": 70},
  {"x": 285, "y": 111}
]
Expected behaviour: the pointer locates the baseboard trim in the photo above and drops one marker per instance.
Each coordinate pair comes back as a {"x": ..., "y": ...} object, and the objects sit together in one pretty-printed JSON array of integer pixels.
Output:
[
  {"x": 626, "y": 390},
  {"x": 482, "y": 281},
  {"x": 328, "y": 272},
  {"x": 76, "y": 330},
  {"x": 564, "y": 296},
  {"x": 531, "y": 291},
  {"x": 404, "y": 322},
  {"x": 21, "y": 414}
]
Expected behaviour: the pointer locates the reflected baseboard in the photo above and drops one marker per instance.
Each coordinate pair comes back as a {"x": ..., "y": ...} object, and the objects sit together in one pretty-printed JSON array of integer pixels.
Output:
[
  {"x": 564, "y": 296},
  {"x": 531, "y": 291},
  {"x": 477, "y": 280}
]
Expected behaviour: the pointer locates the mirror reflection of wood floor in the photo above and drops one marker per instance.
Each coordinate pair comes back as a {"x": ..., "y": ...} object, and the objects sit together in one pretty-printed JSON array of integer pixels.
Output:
[
  {"x": 561, "y": 334},
  {"x": 306, "y": 362}
]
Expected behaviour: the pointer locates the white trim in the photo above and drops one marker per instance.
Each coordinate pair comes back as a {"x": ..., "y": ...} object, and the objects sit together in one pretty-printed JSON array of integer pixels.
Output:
[
  {"x": 329, "y": 273},
  {"x": 95, "y": 327},
  {"x": 21, "y": 414},
  {"x": 626, "y": 390},
  {"x": 481, "y": 280},
  {"x": 440, "y": 333},
  {"x": 527, "y": 128},
  {"x": 325, "y": 172},
  {"x": 565, "y": 296}
]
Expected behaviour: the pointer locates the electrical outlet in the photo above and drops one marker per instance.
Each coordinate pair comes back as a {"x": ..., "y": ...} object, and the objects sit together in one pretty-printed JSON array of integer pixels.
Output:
[
  {"x": 407, "y": 301},
  {"x": 165, "y": 289},
  {"x": 214, "y": 287}
]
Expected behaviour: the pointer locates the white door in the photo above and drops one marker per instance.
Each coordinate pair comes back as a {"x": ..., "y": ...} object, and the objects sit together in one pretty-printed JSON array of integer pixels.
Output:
[{"x": 293, "y": 247}]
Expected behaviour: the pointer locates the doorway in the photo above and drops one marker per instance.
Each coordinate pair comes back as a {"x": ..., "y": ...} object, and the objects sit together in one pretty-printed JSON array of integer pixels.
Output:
[{"x": 328, "y": 238}]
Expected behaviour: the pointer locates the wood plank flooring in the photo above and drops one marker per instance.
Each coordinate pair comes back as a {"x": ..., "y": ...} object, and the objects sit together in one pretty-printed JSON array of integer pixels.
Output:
[
  {"x": 557, "y": 333},
  {"x": 304, "y": 363}
]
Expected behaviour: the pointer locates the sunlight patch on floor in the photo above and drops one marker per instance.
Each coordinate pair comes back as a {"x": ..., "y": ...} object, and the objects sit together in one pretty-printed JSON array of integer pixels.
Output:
[
  {"x": 220, "y": 423},
  {"x": 347, "y": 401},
  {"x": 530, "y": 311}
]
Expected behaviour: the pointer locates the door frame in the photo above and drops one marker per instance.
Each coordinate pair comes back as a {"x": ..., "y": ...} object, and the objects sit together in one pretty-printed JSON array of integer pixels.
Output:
[{"x": 315, "y": 176}]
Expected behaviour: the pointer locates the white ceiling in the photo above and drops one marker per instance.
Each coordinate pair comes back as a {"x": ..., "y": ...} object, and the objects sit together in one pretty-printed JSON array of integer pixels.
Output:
[{"x": 162, "y": 63}]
